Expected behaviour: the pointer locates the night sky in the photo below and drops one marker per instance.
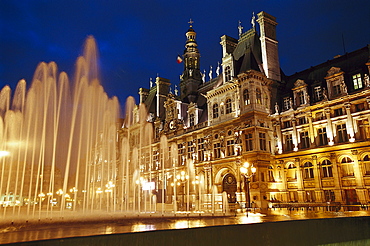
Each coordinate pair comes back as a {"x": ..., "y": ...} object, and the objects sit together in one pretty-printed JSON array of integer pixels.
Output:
[{"x": 139, "y": 39}]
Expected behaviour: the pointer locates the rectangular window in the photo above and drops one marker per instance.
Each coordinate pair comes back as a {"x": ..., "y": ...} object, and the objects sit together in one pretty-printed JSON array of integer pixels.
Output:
[
  {"x": 230, "y": 148},
  {"x": 359, "y": 107},
  {"x": 336, "y": 90},
  {"x": 319, "y": 116},
  {"x": 200, "y": 149},
  {"x": 317, "y": 93},
  {"x": 342, "y": 133},
  {"x": 357, "y": 81},
  {"x": 181, "y": 154},
  {"x": 300, "y": 97},
  {"x": 217, "y": 150},
  {"x": 287, "y": 124},
  {"x": 302, "y": 120},
  {"x": 338, "y": 112},
  {"x": 323, "y": 138},
  {"x": 288, "y": 142},
  {"x": 286, "y": 103},
  {"x": 190, "y": 149},
  {"x": 305, "y": 140},
  {"x": 248, "y": 142},
  {"x": 329, "y": 196},
  {"x": 262, "y": 137}
]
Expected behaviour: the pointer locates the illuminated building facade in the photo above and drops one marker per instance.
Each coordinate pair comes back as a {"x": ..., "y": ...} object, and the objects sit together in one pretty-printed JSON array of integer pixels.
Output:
[{"x": 307, "y": 135}]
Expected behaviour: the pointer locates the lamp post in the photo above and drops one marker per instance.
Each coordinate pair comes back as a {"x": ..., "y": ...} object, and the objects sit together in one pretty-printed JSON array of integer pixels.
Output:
[{"x": 247, "y": 171}]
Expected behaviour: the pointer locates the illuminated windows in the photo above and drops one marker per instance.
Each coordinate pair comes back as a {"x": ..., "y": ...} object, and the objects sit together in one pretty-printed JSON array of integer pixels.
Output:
[
  {"x": 258, "y": 96},
  {"x": 366, "y": 163},
  {"x": 246, "y": 97},
  {"x": 192, "y": 119},
  {"x": 323, "y": 139},
  {"x": 217, "y": 150},
  {"x": 248, "y": 142},
  {"x": 305, "y": 140},
  {"x": 227, "y": 73},
  {"x": 357, "y": 81},
  {"x": 347, "y": 167},
  {"x": 317, "y": 93},
  {"x": 288, "y": 142},
  {"x": 326, "y": 169},
  {"x": 286, "y": 103},
  {"x": 230, "y": 148},
  {"x": 342, "y": 133},
  {"x": 270, "y": 174},
  {"x": 215, "y": 111},
  {"x": 262, "y": 138},
  {"x": 329, "y": 196},
  {"x": 228, "y": 106},
  {"x": 291, "y": 173},
  {"x": 308, "y": 171}
]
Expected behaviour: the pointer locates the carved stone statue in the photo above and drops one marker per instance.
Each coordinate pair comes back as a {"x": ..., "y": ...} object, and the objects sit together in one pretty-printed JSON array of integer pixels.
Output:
[
  {"x": 210, "y": 73},
  {"x": 344, "y": 87},
  {"x": 366, "y": 80},
  {"x": 325, "y": 94},
  {"x": 276, "y": 108}
]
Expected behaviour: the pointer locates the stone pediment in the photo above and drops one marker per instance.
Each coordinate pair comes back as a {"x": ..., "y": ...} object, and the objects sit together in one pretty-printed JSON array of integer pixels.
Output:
[
  {"x": 299, "y": 84},
  {"x": 334, "y": 70}
]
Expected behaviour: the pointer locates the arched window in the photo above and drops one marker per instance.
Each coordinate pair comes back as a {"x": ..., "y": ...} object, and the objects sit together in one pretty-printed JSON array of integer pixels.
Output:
[
  {"x": 228, "y": 106},
  {"x": 326, "y": 169},
  {"x": 308, "y": 171},
  {"x": 292, "y": 172},
  {"x": 215, "y": 111},
  {"x": 347, "y": 167},
  {"x": 366, "y": 162},
  {"x": 246, "y": 97},
  {"x": 227, "y": 73},
  {"x": 258, "y": 96}
]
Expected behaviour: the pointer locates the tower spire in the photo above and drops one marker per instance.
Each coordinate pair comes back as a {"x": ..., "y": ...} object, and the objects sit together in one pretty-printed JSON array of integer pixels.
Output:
[{"x": 191, "y": 77}]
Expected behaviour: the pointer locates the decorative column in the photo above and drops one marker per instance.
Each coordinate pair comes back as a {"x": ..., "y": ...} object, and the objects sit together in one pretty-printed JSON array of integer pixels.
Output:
[
  {"x": 317, "y": 175},
  {"x": 329, "y": 127},
  {"x": 360, "y": 188},
  {"x": 349, "y": 124},
  {"x": 311, "y": 131},
  {"x": 295, "y": 134},
  {"x": 279, "y": 136},
  {"x": 337, "y": 178},
  {"x": 299, "y": 180}
]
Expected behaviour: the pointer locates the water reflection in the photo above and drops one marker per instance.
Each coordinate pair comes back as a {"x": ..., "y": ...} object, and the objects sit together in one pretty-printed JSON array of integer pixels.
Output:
[{"x": 40, "y": 231}]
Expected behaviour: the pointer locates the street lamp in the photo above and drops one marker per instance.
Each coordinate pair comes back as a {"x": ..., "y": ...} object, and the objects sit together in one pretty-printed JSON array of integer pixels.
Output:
[{"x": 247, "y": 171}]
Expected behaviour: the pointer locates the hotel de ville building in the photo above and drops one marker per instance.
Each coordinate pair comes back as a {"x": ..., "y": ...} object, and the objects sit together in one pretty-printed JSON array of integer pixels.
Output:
[{"x": 250, "y": 135}]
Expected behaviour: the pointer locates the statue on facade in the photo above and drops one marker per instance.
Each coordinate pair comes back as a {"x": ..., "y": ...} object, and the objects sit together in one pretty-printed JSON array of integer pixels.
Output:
[
  {"x": 343, "y": 87},
  {"x": 210, "y": 73},
  {"x": 290, "y": 103},
  {"x": 204, "y": 76},
  {"x": 253, "y": 21},
  {"x": 218, "y": 69},
  {"x": 366, "y": 80},
  {"x": 325, "y": 94},
  {"x": 307, "y": 97},
  {"x": 276, "y": 108}
]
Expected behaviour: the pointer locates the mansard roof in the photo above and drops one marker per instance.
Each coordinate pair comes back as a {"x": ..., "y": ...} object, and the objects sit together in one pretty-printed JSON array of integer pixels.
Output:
[
  {"x": 247, "y": 54},
  {"x": 349, "y": 63}
]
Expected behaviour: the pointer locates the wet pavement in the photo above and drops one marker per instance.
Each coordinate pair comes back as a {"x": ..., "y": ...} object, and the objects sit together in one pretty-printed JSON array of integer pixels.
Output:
[{"x": 18, "y": 231}]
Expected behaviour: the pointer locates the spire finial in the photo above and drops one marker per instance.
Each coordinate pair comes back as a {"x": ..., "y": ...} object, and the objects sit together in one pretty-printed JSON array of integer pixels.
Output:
[
  {"x": 240, "y": 28},
  {"x": 191, "y": 22}
]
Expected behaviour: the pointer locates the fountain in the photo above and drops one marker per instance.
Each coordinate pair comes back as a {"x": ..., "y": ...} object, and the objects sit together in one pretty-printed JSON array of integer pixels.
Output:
[{"x": 58, "y": 142}]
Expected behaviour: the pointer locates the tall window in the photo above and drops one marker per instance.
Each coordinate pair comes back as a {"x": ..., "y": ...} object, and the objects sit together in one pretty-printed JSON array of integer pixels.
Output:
[
  {"x": 191, "y": 149},
  {"x": 288, "y": 142},
  {"x": 326, "y": 169},
  {"x": 308, "y": 171},
  {"x": 336, "y": 90},
  {"x": 310, "y": 195},
  {"x": 347, "y": 167},
  {"x": 215, "y": 111},
  {"x": 305, "y": 140},
  {"x": 270, "y": 174},
  {"x": 246, "y": 97},
  {"x": 342, "y": 133},
  {"x": 192, "y": 119},
  {"x": 286, "y": 103},
  {"x": 248, "y": 142},
  {"x": 258, "y": 96},
  {"x": 262, "y": 137},
  {"x": 366, "y": 162},
  {"x": 323, "y": 138},
  {"x": 217, "y": 150},
  {"x": 230, "y": 148},
  {"x": 292, "y": 172},
  {"x": 181, "y": 154},
  {"x": 201, "y": 149},
  {"x": 329, "y": 195},
  {"x": 228, "y": 106},
  {"x": 357, "y": 82},
  {"x": 227, "y": 73},
  {"x": 300, "y": 97},
  {"x": 317, "y": 93}
]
